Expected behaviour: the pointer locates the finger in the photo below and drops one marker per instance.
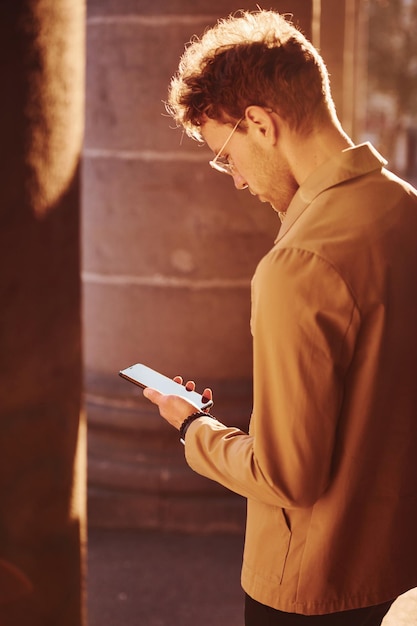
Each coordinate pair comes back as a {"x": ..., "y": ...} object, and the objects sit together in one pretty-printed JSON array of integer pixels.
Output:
[
  {"x": 153, "y": 395},
  {"x": 190, "y": 385},
  {"x": 207, "y": 394},
  {"x": 178, "y": 379}
]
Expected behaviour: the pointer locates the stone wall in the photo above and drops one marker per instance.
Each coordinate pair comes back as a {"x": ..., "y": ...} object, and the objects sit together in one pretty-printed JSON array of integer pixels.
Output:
[{"x": 169, "y": 248}]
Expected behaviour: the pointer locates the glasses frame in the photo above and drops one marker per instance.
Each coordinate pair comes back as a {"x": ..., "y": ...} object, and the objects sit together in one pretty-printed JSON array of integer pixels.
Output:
[{"x": 225, "y": 168}]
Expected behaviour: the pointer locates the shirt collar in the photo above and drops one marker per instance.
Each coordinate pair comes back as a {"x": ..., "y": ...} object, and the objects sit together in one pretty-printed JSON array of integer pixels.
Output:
[{"x": 346, "y": 165}]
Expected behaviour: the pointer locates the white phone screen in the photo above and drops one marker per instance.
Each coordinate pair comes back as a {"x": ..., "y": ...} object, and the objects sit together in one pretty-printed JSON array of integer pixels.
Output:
[{"x": 144, "y": 376}]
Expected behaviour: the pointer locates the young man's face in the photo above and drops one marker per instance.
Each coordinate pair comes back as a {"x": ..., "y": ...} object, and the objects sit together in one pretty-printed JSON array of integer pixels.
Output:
[{"x": 255, "y": 165}]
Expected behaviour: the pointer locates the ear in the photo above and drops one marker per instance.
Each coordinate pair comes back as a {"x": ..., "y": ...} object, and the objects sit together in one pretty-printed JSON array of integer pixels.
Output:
[{"x": 263, "y": 123}]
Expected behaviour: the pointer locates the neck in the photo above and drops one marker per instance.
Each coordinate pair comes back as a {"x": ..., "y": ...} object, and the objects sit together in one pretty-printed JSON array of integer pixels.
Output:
[{"x": 306, "y": 153}]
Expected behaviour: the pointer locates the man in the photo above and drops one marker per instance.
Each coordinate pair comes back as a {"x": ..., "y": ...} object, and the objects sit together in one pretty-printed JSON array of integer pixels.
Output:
[{"x": 328, "y": 467}]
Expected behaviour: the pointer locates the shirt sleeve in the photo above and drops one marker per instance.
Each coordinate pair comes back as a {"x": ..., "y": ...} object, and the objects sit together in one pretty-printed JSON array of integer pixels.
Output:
[{"x": 304, "y": 324}]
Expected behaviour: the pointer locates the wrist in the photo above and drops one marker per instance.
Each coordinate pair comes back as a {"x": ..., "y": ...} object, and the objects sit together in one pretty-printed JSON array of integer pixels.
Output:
[{"x": 189, "y": 420}]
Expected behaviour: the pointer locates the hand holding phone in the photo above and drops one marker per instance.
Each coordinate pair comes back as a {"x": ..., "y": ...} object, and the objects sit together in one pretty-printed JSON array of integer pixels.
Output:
[{"x": 144, "y": 376}]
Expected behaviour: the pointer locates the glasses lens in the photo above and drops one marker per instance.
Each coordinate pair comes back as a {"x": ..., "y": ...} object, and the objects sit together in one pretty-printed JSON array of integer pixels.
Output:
[{"x": 221, "y": 166}]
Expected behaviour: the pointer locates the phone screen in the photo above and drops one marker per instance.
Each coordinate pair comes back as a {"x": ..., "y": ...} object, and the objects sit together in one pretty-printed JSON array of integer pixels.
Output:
[{"x": 144, "y": 376}]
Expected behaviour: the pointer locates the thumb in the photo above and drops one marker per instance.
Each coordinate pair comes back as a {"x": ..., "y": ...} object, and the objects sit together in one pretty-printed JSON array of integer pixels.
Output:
[{"x": 152, "y": 394}]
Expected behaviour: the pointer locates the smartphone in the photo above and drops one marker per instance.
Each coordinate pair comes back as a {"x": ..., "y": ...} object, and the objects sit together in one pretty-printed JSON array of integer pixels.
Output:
[{"x": 146, "y": 377}]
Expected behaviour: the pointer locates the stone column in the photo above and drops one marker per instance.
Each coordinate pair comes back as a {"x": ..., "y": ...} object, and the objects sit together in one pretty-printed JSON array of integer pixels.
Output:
[
  {"x": 42, "y": 443},
  {"x": 169, "y": 248},
  {"x": 343, "y": 44}
]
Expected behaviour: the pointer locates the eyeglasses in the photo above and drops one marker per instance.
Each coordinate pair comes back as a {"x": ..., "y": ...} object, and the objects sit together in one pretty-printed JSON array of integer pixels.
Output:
[{"x": 221, "y": 164}]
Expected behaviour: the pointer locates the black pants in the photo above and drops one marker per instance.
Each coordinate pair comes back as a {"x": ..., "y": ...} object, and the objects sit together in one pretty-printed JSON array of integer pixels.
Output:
[{"x": 257, "y": 614}]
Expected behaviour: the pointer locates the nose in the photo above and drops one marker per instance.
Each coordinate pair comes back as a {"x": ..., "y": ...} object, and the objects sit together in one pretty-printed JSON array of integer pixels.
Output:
[{"x": 239, "y": 181}]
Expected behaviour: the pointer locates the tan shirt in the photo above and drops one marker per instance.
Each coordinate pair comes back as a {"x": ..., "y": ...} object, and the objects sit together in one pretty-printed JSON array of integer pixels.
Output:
[{"x": 330, "y": 465}]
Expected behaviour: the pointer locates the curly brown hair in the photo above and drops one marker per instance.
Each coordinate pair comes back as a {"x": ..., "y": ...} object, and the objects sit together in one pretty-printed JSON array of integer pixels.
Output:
[{"x": 250, "y": 58}]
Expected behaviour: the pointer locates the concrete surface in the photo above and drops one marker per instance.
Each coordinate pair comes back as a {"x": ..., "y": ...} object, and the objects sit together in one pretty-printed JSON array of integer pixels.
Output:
[{"x": 145, "y": 578}]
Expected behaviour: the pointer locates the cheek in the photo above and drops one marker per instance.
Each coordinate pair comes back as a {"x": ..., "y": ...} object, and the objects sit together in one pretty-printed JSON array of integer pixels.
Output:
[{"x": 249, "y": 165}]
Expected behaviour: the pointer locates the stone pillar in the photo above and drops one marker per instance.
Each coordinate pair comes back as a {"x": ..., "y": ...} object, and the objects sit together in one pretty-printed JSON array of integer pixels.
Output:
[
  {"x": 42, "y": 443},
  {"x": 343, "y": 44},
  {"x": 169, "y": 248}
]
